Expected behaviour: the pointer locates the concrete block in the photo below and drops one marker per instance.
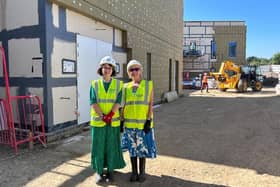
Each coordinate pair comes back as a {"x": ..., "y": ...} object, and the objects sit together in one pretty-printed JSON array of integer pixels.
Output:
[
  {"x": 277, "y": 89},
  {"x": 170, "y": 96}
]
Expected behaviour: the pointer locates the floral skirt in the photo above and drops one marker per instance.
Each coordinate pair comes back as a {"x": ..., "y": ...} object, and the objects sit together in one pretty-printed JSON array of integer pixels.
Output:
[
  {"x": 138, "y": 143},
  {"x": 106, "y": 149}
]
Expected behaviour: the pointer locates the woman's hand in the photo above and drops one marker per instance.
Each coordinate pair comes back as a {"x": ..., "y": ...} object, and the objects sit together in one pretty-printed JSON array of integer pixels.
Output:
[{"x": 147, "y": 126}]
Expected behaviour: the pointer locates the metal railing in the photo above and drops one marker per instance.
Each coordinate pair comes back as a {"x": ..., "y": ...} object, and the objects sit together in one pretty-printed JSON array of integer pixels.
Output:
[{"x": 21, "y": 117}]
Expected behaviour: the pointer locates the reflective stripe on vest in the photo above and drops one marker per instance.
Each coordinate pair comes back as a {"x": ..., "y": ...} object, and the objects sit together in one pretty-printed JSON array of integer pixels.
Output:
[
  {"x": 137, "y": 104},
  {"x": 105, "y": 101},
  {"x": 99, "y": 119}
]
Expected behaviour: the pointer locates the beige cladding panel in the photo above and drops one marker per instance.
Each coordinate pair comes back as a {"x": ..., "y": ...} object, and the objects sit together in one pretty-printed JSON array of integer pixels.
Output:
[
  {"x": 55, "y": 15},
  {"x": 118, "y": 38},
  {"x": 26, "y": 13},
  {"x": 208, "y": 50},
  {"x": 2, "y": 92},
  {"x": 198, "y": 40},
  {"x": 21, "y": 52},
  {"x": 199, "y": 35},
  {"x": 14, "y": 91},
  {"x": 189, "y": 40},
  {"x": 62, "y": 50},
  {"x": 86, "y": 26},
  {"x": 210, "y": 30},
  {"x": 203, "y": 41},
  {"x": 222, "y": 23},
  {"x": 230, "y": 30},
  {"x": 206, "y": 41},
  {"x": 36, "y": 91},
  {"x": 208, "y": 35},
  {"x": 195, "y": 23},
  {"x": 207, "y": 23},
  {"x": 186, "y": 30},
  {"x": 237, "y": 23},
  {"x": 197, "y": 30},
  {"x": 3, "y": 14},
  {"x": 64, "y": 104},
  {"x": 204, "y": 58}
]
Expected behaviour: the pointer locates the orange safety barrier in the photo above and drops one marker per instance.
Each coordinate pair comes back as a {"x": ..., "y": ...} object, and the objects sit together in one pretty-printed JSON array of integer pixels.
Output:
[{"x": 21, "y": 117}]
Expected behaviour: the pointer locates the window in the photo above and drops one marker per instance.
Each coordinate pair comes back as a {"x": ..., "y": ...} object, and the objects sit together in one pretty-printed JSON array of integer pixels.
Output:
[
  {"x": 213, "y": 49},
  {"x": 230, "y": 73},
  {"x": 232, "y": 49}
]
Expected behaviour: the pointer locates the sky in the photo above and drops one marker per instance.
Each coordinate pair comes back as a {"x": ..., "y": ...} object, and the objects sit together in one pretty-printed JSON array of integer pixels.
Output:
[{"x": 262, "y": 19}]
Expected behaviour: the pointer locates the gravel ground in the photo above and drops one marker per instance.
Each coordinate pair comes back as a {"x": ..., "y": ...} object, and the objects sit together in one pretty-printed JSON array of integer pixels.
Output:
[{"x": 203, "y": 139}]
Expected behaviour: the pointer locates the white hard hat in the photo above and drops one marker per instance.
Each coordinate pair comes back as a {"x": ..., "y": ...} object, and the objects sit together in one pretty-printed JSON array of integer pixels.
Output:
[
  {"x": 132, "y": 63},
  {"x": 108, "y": 60}
]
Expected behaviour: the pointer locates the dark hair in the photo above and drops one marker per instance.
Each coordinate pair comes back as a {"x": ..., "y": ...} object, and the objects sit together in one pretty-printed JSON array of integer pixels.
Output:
[{"x": 99, "y": 71}]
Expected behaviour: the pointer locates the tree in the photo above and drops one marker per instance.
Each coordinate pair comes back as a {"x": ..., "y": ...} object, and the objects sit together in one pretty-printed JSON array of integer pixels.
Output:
[
  {"x": 276, "y": 58},
  {"x": 253, "y": 60}
]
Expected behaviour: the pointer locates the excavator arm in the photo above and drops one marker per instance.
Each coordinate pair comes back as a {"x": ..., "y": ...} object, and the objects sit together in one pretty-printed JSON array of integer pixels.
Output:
[{"x": 228, "y": 75}]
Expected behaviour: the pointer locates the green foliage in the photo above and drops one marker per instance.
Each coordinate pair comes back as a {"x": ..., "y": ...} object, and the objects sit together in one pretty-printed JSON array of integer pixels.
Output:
[
  {"x": 253, "y": 60},
  {"x": 276, "y": 58}
]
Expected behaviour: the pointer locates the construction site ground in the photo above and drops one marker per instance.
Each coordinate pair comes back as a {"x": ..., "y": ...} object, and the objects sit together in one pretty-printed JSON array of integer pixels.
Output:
[{"x": 203, "y": 139}]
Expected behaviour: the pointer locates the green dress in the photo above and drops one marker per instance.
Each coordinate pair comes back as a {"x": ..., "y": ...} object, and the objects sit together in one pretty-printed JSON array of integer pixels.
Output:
[{"x": 106, "y": 147}]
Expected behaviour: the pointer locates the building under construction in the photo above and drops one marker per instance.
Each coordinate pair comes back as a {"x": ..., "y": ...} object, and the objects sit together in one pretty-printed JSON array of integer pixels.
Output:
[
  {"x": 53, "y": 48},
  {"x": 208, "y": 43}
]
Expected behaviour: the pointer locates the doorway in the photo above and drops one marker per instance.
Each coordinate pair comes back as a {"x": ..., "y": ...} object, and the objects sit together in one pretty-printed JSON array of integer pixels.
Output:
[{"x": 87, "y": 64}]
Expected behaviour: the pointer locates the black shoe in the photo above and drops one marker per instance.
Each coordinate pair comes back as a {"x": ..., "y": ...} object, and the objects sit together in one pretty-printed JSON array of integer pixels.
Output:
[
  {"x": 133, "y": 177},
  {"x": 142, "y": 165},
  {"x": 134, "y": 173},
  {"x": 142, "y": 177},
  {"x": 109, "y": 177}
]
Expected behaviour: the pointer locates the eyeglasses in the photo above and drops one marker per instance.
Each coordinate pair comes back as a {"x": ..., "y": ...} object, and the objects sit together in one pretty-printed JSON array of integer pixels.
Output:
[
  {"x": 134, "y": 69},
  {"x": 108, "y": 68}
]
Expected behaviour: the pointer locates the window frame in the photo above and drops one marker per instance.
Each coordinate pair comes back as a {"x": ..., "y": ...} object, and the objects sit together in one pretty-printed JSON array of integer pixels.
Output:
[
  {"x": 232, "y": 46},
  {"x": 213, "y": 49}
]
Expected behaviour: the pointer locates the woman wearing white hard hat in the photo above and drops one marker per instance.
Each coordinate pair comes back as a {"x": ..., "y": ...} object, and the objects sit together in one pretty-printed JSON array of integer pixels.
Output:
[
  {"x": 138, "y": 136},
  {"x": 105, "y": 100}
]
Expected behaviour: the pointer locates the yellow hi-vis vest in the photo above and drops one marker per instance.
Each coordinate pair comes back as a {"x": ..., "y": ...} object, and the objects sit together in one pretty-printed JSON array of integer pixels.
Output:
[
  {"x": 105, "y": 101},
  {"x": 137, "y": 104}
]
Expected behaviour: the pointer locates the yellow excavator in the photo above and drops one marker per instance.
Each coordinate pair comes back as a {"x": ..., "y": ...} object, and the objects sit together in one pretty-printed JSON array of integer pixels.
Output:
[{"x": 233, "y": 76}]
